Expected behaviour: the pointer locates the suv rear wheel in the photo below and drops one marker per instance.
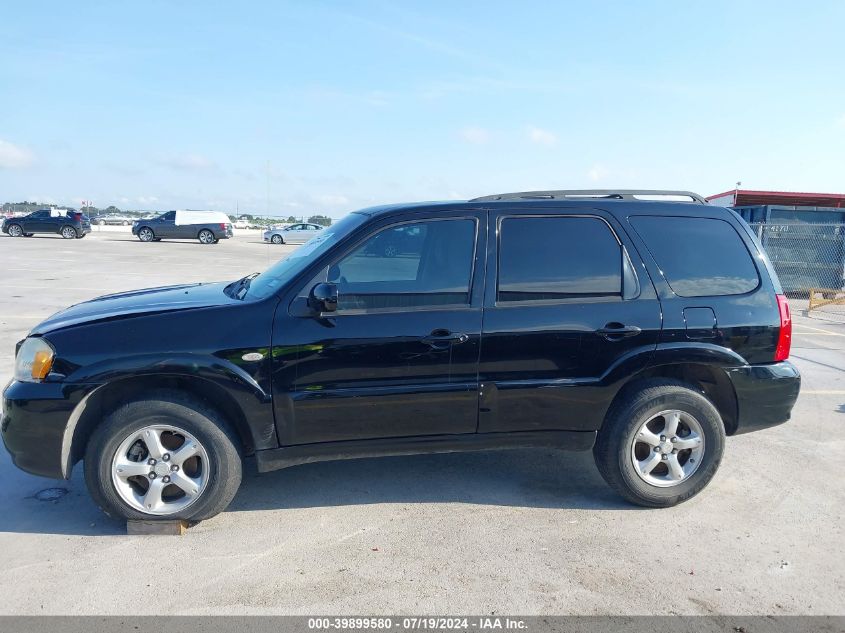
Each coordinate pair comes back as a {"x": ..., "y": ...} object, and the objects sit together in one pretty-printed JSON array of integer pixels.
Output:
[
  {"x": 660, "y": 444},
  {"x": 68, "y": 232},
  {"x": 163, "y": 458},
  {"x": 205, "y": 237}
]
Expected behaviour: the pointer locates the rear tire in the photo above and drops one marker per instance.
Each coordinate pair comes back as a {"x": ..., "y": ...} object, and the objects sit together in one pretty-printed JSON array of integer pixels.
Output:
[
  {"x": 637, "y": 452},
  {"x": 69, "y": 233},
  {"x": 206, "y": 237},
  {"x": 178, "y": 423}
]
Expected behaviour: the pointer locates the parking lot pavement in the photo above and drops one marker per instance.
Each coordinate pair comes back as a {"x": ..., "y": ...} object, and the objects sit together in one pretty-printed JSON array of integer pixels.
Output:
[{"x": 525, "y": 532}]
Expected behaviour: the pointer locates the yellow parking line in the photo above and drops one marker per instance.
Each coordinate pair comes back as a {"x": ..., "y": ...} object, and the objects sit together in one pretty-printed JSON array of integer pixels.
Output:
[{"x": 817, "y": 329}]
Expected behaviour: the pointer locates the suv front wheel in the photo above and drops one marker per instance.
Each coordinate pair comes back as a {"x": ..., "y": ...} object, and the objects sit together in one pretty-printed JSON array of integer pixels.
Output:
[
  {"x": 163, "y": 458},
  {"x": 660, "y": 444}
]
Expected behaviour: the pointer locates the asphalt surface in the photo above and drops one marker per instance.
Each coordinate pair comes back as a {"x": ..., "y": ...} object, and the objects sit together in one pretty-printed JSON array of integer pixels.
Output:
[{"x": 528, "y": 532}]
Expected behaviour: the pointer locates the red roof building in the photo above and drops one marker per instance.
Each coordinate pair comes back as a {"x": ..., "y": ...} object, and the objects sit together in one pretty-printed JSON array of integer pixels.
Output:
[{"x": 748, "y": 198}]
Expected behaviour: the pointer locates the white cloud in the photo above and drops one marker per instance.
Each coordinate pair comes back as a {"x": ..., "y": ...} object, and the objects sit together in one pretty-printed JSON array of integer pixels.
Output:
[
  {"x": 475, "y": 135},
  {"x": 189, "y": 162},
  {"x": 597, "y": 173},
  {"x": 541, "y": 137},
  {"x": 13, "y": 156}
]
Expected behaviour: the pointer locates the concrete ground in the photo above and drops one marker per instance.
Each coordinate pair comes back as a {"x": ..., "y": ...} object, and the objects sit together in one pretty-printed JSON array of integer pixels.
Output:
[{"x": 526, "y": 532}]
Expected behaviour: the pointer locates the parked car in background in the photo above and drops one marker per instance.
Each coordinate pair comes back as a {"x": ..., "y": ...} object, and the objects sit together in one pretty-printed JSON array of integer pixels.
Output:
[
  {"x": 209, "y": 227},
  {"x": 644, "y": 331},
  {"x": 114, "y": 220},
  {"x": 68, "y": 223},
  {"x": 293, "y": 234}
]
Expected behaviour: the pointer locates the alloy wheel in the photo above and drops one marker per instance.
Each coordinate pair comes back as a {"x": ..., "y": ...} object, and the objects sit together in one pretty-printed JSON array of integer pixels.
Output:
[
  {"x": 160, "y": 470},
  {"x": 68, "y": 233},
  {"x": 15, "y": 230},
  {"x": 146, "y": 235},
  {"x": 206, "y": 237},
  {"x": 668, "y": 448}
]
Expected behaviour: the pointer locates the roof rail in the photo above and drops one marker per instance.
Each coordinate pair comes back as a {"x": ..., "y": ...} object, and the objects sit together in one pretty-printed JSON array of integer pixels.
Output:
[{"x": 609, "y": 194}]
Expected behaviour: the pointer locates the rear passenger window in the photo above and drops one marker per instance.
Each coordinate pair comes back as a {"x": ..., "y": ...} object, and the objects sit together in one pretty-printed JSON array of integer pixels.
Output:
[
  {"x": 699, "y": 257},
  {"x": 549, "y": 258}
]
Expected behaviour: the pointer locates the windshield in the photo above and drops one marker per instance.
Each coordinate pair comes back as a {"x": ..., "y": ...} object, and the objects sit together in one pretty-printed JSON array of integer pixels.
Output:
[{"x": 289, "y": 267}]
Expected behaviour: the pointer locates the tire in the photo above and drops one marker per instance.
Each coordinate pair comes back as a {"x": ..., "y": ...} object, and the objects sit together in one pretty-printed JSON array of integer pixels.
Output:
[
  {"x": 218, "y": 466},
  {"x": 68, "y": 233},
  {"x": 206, "y": 237},
  {"x": 620, "y": 445},
  {"x": 102, "y": 222},
  {"x": 277, "y": 239},
  {"x": 15, "y": 230},
  {"x": 125, "y": 223},
  {"x": 145, "y": 234}
]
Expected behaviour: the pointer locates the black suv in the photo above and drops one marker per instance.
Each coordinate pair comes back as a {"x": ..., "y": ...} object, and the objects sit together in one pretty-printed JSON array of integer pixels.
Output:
[
  {"x": 68, "y": 223},
  {"x": 645, "y": 331}
]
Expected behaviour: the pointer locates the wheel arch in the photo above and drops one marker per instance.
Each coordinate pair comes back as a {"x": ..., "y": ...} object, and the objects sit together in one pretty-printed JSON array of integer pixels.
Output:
[
  {"x": 709, "y": 380},
  {"x": 106, "y": 398}
]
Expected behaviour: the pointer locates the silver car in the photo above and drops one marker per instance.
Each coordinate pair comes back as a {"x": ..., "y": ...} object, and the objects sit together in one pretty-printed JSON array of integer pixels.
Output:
[{"x": 293, "y": 234}]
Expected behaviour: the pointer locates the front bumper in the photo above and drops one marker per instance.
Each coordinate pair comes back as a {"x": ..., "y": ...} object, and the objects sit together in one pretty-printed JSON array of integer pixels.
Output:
[
  {"x": 765, "y": 394},
  {"x": 34, "y": 425}
]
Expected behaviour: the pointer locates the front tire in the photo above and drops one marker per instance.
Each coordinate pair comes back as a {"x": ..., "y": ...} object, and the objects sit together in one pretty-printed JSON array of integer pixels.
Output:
[
  {"x": 145, "y": 234},
  {"x": 660, "y": 444},
  {"x": 277, "y": 239},
  {"x": 163, "y": 458},
  {"x": 15, "y": 230}
]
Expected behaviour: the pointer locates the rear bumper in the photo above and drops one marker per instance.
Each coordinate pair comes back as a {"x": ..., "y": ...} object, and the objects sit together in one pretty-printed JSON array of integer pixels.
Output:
[{"x": 765, "y": 394}]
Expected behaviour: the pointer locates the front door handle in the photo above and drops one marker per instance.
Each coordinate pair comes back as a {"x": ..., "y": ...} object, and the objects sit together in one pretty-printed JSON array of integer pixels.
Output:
[
  {"x": 617, "y": 331},
  {"x": 441, "y": 339}
]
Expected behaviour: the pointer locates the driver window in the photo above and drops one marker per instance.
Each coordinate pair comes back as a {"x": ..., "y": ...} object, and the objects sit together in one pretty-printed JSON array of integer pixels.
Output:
[{"x": 410, "y": 265}]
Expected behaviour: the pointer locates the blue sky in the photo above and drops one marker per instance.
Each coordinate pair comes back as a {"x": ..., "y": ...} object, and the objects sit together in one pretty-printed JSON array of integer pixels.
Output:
[{"x": 330, "y": 106}]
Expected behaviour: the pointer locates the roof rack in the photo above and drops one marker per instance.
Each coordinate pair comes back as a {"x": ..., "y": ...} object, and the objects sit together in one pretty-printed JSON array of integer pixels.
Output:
[{"x": 608, "y": 194}]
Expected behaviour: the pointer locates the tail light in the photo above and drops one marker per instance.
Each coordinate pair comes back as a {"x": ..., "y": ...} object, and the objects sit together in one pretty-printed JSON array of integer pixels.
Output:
[
  {"x": 785, "y": 333},
  {"x": 77, "y": 216},
  {"x": 223, "y": 226}
]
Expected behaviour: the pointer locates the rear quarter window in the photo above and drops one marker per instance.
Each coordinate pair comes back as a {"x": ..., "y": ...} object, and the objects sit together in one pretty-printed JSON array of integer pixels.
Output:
[{"x": 700, "y": 257}]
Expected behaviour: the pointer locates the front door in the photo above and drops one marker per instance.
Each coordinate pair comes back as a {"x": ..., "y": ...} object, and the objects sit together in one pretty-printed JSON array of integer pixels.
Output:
[
  {"x": 564, "y": 309},
  {"x": 400, "y": 356},
  {"x": 37, "y": 222}
]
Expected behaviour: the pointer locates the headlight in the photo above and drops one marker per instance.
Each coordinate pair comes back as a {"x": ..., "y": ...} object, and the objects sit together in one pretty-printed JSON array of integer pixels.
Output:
[{"x": 34, "y": 360}]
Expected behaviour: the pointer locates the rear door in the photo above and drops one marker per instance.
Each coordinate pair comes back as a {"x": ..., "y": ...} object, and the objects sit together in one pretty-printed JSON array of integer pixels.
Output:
[{"x": 567, "y": 307}]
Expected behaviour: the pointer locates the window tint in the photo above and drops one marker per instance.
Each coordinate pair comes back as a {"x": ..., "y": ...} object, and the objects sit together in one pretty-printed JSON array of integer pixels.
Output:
[
  {"x": 698, "y": 256},
  {"x": 170, "y": 215},
  {"x": 420, "y": 264},
  {"x": 550, "y": 258}
]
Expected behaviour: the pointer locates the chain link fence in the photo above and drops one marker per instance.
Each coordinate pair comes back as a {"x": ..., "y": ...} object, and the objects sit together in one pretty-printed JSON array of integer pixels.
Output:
[{"x": 810, "y": 261}]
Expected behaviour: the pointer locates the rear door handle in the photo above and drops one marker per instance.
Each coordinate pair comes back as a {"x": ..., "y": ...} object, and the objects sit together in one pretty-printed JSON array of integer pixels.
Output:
[
  {"x": 441, "y": 339},
  {"x": 617, "y": 331}
]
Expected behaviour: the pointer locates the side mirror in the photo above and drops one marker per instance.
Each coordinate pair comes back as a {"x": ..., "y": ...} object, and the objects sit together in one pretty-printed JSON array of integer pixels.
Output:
[{"x": 323, "y": 298}]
